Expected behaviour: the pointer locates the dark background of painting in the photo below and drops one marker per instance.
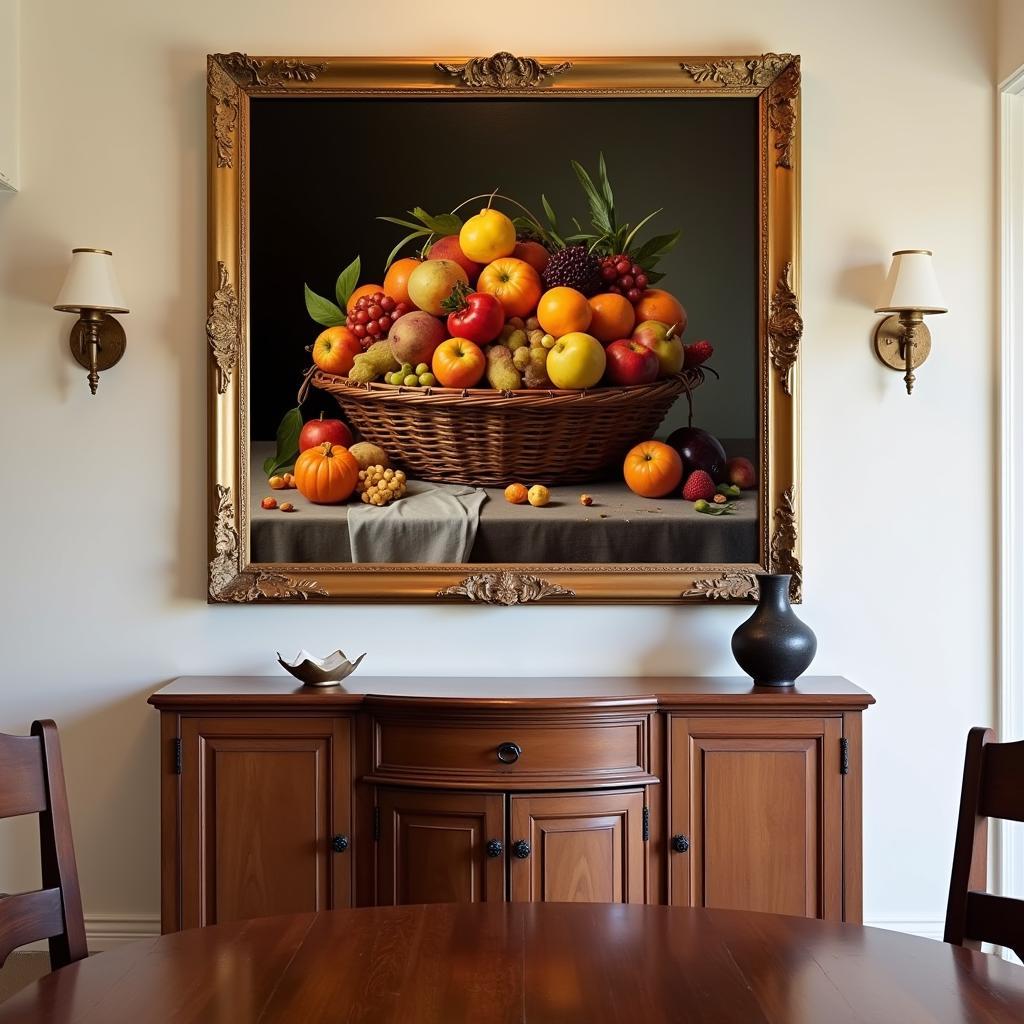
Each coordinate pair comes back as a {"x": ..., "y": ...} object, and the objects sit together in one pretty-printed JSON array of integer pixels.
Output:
[{"x": 322, "y": 170}]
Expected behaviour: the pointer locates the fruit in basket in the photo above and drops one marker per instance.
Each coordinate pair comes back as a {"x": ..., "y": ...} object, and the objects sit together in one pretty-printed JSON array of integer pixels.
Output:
[
  {"x": 488, "y": 236},
  {"x": 360, "y": 292},
  {"x": 448, "y": 248},
  {"x": 317, "y": 432},
  {"x": 622, "y": 276},
  {"x": 521, "y": 358},
  {"x": 612, "y": 317},
  {"x": 335, "y": 350},
  {"x": 697, "y": 353},
  {"x": 327, "y": 474},
  {"x": 563, "y": 310},
  {"x": 536, "y": 374},
  {"x": 516, "y": 494},
  {"x": 656, "y": 304},
  {"x": 373, "y": 363},
  {"x": 369, "y": 454},
  {"x": 414, "y": 337},
  {"x": 432, "y": 282},
  {"x": 574, "y": 267},
  {"x": 379, "y": 485},
  {"x": 699, "y": 450},
  {"x": 478, "y": 316},
  {"x": 538, "y": 495},
  {"x": 533, "y": 253},
  {"x": 576, "y": 360},
  {"x": 663, "y": 341},
  {"x": 741, "y": 472},
  {"x": 458, "y": 363},
  {"x": 372, "y": 316},
  {"x": 652, "y": 469},
  {"x": 514, "y": 283},
  {"x": 629, "y": 362},
  {"x": 396, "y": 280},
  {"x": 502, "y": 374}
]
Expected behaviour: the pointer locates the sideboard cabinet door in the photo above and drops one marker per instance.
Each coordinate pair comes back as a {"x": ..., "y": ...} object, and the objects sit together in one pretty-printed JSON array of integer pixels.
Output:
[
  {"x": 756, "y": 817},
  {"x": 264, "y": 804},
  {"x": 579, "y": 847},
  {"x": 440, "y": 847}
]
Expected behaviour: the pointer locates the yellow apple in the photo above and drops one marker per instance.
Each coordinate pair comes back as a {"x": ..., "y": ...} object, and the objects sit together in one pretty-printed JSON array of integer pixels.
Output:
[
  {"x": 576, "y": 360},
  {"x": 432, "y": 282}
]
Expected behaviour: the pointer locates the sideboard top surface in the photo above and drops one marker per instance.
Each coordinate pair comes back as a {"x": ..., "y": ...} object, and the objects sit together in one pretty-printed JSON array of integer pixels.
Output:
[{"x": 281, "y": 692}]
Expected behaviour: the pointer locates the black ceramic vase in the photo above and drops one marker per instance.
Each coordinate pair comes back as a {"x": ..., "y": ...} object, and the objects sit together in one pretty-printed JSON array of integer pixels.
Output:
[{"x": 773, "y": 646}]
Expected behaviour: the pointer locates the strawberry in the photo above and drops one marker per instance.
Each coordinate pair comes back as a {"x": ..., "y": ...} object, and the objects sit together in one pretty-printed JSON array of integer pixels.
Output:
[
  {"x": 699, "y": 485},
  {"x": 697, "y": 353}
]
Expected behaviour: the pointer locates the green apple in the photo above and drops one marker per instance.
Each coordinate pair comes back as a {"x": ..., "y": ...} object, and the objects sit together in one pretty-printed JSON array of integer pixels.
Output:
[
  {"x": 662, "y": 341},
  {"x": 432, "y": 282},
  {"x": 576, "y": 360}
]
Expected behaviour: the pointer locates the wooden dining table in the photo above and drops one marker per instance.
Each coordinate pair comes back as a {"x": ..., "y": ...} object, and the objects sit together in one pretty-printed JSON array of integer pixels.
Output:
[{"x": 535, "y": 962}]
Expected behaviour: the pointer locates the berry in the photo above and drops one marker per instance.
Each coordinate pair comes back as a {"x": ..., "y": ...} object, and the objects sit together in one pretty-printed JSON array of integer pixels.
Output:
[
  {"x": 573, "y": 267},
  {"x": 372, "y": 316},
  {"x": 697, "y": 353},
  {"x": 380, "y": 486},
  {"x": 623, "y": 277},
  {"x": 699, "y": 486}
]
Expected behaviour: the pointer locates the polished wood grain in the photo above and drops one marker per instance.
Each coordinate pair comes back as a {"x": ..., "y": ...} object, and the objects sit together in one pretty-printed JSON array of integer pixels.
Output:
[
  {"x": 992, "y": 788},
  {"x": 32, "y": 782},
  {"x": 432, "y": 847},
  {"x": 536, "y": 963},
  {"x": 261, "y": 800},
  {"x": 761, "y": 804},
  {"x": 584, "y": 847}
]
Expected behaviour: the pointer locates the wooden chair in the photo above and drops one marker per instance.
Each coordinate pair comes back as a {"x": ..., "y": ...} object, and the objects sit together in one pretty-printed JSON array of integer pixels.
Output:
[
  {"x": 32, "y": 782},
  {"x": 993, "y": 788}
]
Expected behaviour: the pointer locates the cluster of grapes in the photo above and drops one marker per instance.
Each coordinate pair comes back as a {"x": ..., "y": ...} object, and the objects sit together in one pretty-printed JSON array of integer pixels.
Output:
[
  {"x": 623, "y": 277},
  {"x": 412, "y": 376},
  {"x": 380, "y": 486},
  {"x": 371, "y": 316}
]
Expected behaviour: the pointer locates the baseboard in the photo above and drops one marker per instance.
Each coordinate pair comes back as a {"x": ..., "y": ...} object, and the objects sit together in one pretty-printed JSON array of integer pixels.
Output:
[
  {"x": 107, "y": 931},
  {"x": 926, "y": 929}
]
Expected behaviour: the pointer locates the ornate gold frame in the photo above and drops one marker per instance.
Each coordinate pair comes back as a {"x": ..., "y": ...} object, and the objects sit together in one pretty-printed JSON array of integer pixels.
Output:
[{"x": 233, "y": 78}]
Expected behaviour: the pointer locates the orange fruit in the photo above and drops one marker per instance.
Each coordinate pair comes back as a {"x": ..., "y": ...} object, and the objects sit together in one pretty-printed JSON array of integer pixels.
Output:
[
  {"x": 514, "y": 283},
  {"x": 363, "y": 289},
  {"x": 652, "y": 469},
  {"x": 613, "y": 317},
  {"x": 396, "y": 280},
  {"x": 335, "y": 350},
  {"x": 656, "y": 304},
  {"x": 563, "y": 311},
  {"x": 516, "y": 493}
]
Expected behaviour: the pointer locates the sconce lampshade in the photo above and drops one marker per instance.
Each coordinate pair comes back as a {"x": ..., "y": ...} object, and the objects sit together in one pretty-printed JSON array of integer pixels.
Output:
[
  {"x": 91, "y": 283},
  {"x": 911, "y": 284}
]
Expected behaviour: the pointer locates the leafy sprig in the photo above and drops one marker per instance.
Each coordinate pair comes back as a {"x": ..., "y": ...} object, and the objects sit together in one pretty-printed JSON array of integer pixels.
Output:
[{"x": 425, "y": 226}]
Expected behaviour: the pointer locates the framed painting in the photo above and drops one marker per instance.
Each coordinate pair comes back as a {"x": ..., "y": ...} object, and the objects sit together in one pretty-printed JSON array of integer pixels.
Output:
[{"x": 503, "y": 329}]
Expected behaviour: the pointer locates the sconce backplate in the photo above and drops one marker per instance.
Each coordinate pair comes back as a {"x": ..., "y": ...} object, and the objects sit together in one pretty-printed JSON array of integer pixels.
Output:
[
  {"x": 111, "y": 347},
  {"x": 889, "y": 344}
]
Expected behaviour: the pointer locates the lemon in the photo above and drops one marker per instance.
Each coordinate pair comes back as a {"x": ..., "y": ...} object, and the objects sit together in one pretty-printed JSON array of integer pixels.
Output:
[{"x": 488, "y": 236}]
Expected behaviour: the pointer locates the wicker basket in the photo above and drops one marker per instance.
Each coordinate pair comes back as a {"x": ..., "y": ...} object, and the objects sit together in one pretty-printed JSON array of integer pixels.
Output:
[{"x": 492, "y": 438}]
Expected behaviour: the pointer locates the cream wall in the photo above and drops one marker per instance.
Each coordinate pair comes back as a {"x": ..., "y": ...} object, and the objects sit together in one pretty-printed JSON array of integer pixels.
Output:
[
  {"x": 1010, "y": 48},
  {"x": 105, "y": 533}
]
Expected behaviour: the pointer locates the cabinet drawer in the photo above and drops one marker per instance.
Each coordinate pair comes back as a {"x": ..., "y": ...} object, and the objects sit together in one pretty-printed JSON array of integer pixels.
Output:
[{"x": 598, "y": 750}]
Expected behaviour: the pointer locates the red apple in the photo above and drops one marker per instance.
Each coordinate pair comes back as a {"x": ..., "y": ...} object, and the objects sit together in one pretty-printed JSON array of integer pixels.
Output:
[
  {"x": 448, "y": 248},
  {"x": 741, "y": 472},
  {"x": 629, "y": 362},
  {"x": 533, "y": 253},
  {"x": 320, "y": 431},
  {"x": 662, "y": 340}
]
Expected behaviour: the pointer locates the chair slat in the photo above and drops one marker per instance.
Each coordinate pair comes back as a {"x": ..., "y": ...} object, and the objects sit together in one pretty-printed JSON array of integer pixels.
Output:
[
  {"x": 1002, "y": 783},
  {"x": 22, "y": 782},
  {"x": 996, "y": 919},
  {"x": 28, "y": 916}
]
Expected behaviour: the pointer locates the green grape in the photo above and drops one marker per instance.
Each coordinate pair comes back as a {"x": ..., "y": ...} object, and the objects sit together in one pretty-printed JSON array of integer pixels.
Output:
[
  {"x": 406, "y": 368},
  {"x": 412, "y": 381},
  {"x": 421, "y": 368},
  {"x": 428, "y": 380}
]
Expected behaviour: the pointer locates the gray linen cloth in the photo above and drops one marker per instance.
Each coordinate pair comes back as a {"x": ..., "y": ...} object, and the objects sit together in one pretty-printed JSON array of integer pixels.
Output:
[{"x": 434, "y": 523}]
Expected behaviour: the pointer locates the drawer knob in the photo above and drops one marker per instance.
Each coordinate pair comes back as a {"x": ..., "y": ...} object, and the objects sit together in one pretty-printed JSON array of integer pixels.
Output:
[
  {"x": 339, "y": 844},
  {"x": 521, "y": 848},
  {"x": 509, "y": 753},
  {"x": 680, "y": 844},
  {"x": 494, "y": 848}
]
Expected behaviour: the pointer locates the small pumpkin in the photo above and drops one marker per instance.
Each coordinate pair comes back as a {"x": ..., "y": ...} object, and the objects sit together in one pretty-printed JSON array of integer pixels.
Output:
[
  {"x": 326, "y": 474},
  {"x": 652, "y": 469}
]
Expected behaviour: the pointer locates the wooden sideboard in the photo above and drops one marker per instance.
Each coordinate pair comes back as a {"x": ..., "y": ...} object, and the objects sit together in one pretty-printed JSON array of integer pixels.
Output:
[{"x": 687, "y": 791}]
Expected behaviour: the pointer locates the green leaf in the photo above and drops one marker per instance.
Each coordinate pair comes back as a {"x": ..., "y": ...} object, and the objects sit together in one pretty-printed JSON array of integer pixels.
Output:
[
  {"x": 288, "y": 431},
  {"x": 656, "y": 247},
  {"x": 552, "y": 221},
  {"x": 606, "y": 185},
  {"x": 346, "y": 283},
  {"x": 635, "y": 231},
  {"x": 322, "y": 310},
  {"x": 402, "y": 223},
  {"x": 420, "y": 233},
  {"x": 441, "y": 224},
  {"x": 599, "y": 213}
]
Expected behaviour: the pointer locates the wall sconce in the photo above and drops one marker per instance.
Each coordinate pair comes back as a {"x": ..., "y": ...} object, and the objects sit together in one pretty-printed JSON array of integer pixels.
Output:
[
  {"x": 91, "y": 290},
  {"x": 910, "y": 291}
]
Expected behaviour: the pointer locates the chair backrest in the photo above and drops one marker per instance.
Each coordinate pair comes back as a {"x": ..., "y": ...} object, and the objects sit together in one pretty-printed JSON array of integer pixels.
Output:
[
  {"x": 32, "y": 782},
  {"x": 993, "y": 787}
]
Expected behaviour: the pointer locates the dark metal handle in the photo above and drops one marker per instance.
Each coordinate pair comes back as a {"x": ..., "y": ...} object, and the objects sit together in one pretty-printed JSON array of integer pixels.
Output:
[
  {"x": 494, "y": 848},
  {"x": 521, "y": 848},
  {"x": 339, "y": 844},
  {"x": 508, "y": 753},
  {"x": 680, "y": 844}
]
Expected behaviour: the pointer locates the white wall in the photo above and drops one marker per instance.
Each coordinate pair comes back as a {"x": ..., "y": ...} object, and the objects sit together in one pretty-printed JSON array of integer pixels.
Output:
[
  {"x": 104, "y": 513},
  {"x": 1010, "y": 48},
  {"x": 9, "y": 100}
]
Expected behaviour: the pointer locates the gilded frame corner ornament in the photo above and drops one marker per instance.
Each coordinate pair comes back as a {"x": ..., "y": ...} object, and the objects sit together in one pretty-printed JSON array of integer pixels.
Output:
[
  {"x": 236, "y": 80},
  {"x": 503, "y": 70}
]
